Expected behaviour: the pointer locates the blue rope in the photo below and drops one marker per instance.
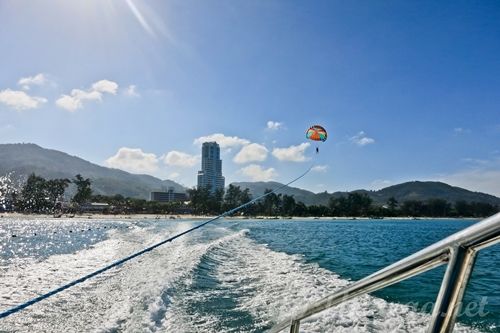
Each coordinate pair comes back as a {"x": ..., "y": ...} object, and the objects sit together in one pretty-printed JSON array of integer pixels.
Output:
[{"x": 35, "y": 300}]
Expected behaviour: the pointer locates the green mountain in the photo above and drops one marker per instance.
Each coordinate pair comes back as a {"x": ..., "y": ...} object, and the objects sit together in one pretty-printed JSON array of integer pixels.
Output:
[
  {"x": 421, "y": 191},
  {"x": 415, "y": 190},
  {"x": 20, "y": 160}
]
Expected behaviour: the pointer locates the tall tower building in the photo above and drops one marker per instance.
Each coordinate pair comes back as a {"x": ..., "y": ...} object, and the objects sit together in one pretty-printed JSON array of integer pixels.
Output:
[{"x": 210, "y": 174}]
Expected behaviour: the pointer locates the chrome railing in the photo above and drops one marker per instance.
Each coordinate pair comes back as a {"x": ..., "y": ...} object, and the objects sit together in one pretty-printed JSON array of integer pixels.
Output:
[{"x": 458, "y": 250}]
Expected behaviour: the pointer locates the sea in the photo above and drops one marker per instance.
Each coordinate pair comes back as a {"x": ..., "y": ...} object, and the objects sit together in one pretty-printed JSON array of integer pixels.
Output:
[{"x": 229, "y": 276}]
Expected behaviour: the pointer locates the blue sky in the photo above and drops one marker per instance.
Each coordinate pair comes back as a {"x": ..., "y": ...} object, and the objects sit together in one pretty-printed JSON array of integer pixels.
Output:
[{"x": 406, "y": 90}]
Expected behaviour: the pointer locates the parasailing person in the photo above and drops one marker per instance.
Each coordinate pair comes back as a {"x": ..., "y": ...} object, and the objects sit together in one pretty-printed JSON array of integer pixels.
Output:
[{"x": 317, "y": 133}]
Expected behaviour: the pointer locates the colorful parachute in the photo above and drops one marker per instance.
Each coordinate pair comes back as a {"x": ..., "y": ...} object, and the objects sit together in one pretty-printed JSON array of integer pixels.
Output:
[{"x": 316, "y": 133}]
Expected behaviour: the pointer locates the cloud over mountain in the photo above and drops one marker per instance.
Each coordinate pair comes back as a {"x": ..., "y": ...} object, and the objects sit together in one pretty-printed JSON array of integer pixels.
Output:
[
  {"x": 252, "y": 152},
  {"x": 292, "y": 153},
  {"x": 133, "y": 160},
  {"x": 257, "y": 173},
  {"x": 180, "y": 159}
]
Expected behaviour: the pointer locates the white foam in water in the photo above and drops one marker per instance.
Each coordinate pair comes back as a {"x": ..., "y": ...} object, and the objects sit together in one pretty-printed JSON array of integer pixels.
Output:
[
  {"x": 181, "y": 318},
  {"x": 124, "y": 299},
  {"x": 273, "y": 285},
  {"x": 269, "y": 286},
  {"x": 282, "y": 284}
]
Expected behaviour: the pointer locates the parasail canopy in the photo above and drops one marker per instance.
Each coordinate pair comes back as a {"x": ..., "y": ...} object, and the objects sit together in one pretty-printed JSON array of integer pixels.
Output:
[{"x": 316, "y": 133}]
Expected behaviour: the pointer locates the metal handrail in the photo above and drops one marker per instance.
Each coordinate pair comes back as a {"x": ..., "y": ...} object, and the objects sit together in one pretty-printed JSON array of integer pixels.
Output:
[{"x": 458, "y": 250}]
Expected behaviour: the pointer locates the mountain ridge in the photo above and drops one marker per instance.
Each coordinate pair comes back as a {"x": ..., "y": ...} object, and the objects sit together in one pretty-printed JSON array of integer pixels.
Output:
[
  {"x": 22, "y": 159},
  {"x": 413, "y": 190},
  {"x": 25, "y": 158}
]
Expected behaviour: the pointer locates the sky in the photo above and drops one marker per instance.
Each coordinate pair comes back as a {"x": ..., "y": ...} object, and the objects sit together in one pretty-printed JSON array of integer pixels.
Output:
[{"x": 406, "y": 90}]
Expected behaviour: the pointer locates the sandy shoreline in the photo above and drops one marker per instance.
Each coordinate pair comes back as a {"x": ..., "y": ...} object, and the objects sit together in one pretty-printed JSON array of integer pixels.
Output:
[{"x": 205, "y": 217}]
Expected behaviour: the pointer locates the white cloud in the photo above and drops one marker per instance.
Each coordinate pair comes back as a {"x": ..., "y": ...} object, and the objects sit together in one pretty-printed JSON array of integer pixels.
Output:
[
  {"x": 257, "y": 173},
  {"x": 91, "y": 95},
  {"x": 361, "y": 139},
  {"x": 133, "y": 160},
  {"x": 292, "y": 153},
  {"x": 75, "y": 99},
  {"x": 177, "y": 158},
  {"x": 105, "y": 86},
  {"x": 251, "y": 153},
  {"x": 223, "y": 140},
  {"x": 19, "y": 100},
  {"x": 69, "y": 103},
  {"x": 319, "y": 168},
  {"x": 26, "y": 82},
  {"x": 131, "y": 91},
  {"x": 274, "y": 125}
]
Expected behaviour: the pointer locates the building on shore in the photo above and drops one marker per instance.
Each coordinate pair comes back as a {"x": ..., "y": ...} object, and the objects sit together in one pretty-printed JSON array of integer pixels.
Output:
[
  {"x": 169, "y": 196},
  {"x": 210, "y": 175},
  {"x": 94, "y": 207}
]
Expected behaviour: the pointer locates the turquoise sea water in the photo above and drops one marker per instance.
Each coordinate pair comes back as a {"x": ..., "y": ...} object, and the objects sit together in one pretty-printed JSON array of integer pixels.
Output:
[
  {"x": 231, "y": 276},
  {"x": 355, "y": 249}
]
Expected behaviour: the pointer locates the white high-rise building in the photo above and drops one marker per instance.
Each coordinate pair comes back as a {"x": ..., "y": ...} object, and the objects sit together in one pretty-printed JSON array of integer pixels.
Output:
[{"x": 210, "y": 174}]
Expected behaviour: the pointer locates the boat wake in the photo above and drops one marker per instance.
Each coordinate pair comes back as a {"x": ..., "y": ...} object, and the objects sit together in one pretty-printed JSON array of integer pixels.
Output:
[{"x": 218, "y": 280}]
